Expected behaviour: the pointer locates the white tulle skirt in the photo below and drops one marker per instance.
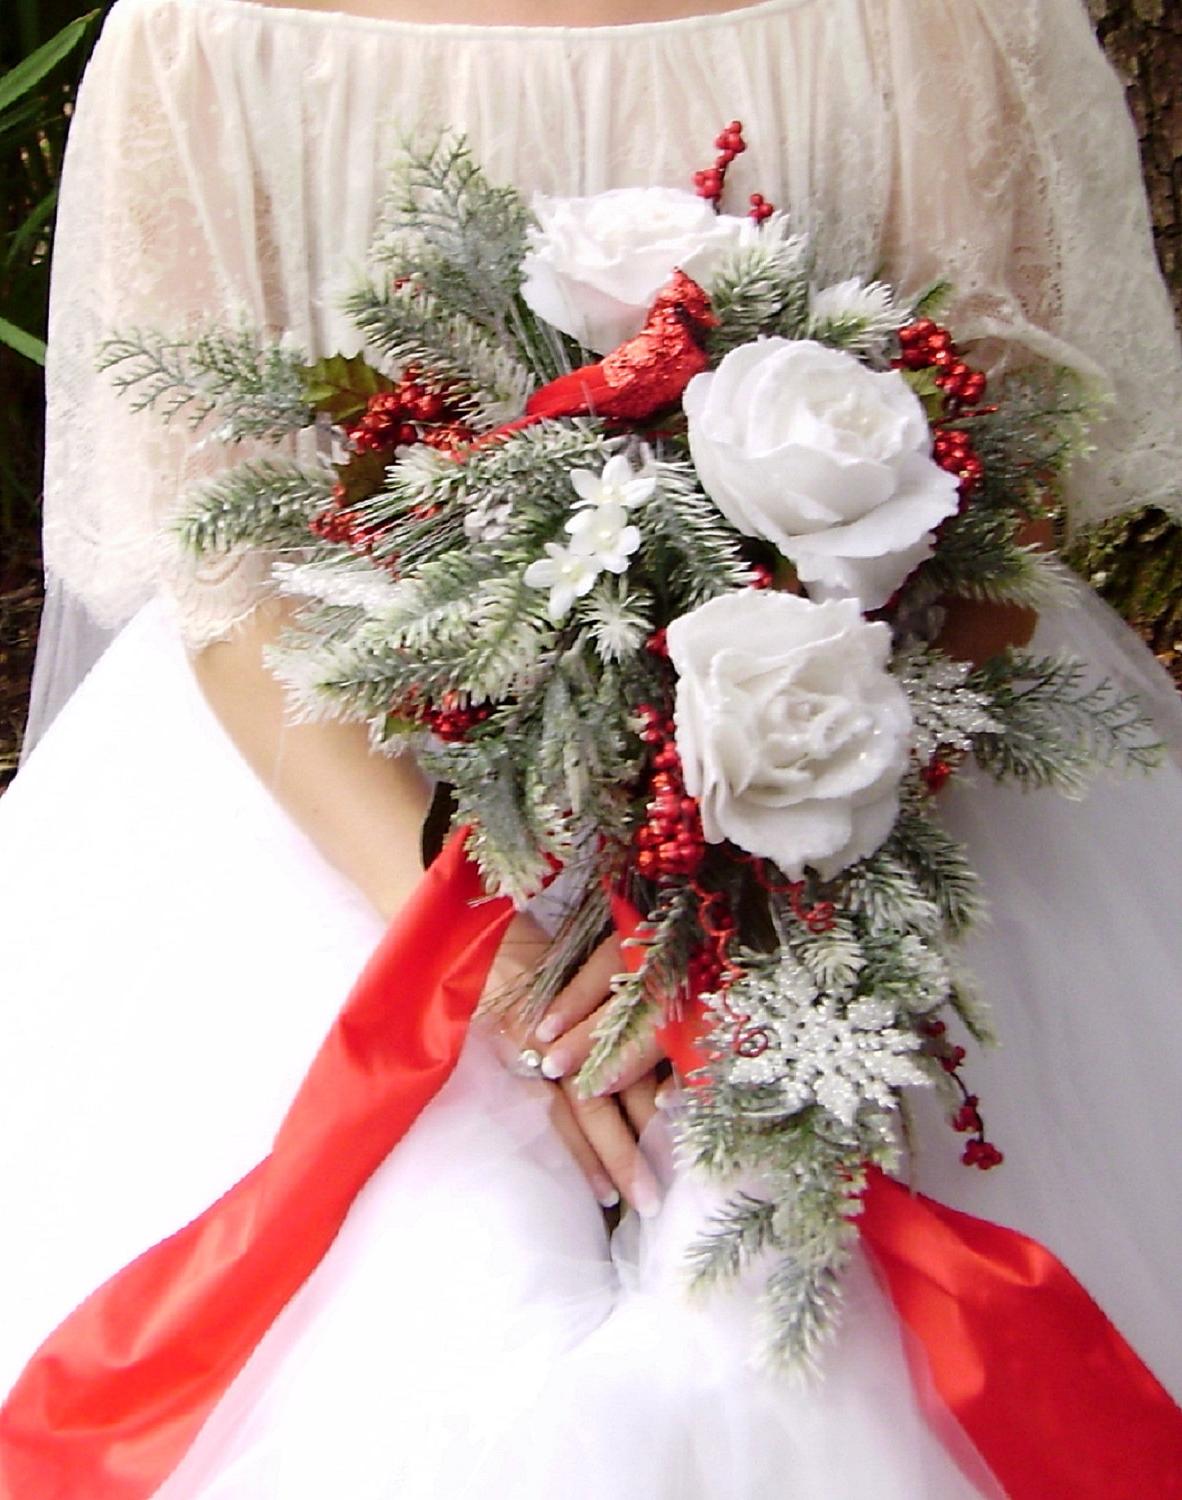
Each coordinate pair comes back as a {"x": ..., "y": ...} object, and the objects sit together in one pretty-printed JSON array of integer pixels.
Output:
[{"x": 173, "y": 950}]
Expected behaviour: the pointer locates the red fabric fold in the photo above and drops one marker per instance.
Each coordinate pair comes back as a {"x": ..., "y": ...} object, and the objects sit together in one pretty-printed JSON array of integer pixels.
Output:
[
  {"x": 1046, "y": 1388},
  {"x": 1055, "y": 1401},
  {"x": 110, "y": 1403}
]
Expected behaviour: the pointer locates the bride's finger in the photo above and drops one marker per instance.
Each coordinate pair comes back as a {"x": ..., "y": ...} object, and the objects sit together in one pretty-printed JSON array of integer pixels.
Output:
[
  {"x": 562, "y": 1117},
  {"x": 639, "y": 1101},
  {"x": 602, "y": 1122},
  {"x": 570, "y": 1052},
  {"x": 585, "y": 992}
]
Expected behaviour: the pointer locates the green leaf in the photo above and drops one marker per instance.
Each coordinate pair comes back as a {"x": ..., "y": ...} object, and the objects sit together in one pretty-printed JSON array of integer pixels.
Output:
[
  {"x": 29, "y": 72},
  {"x": 31, "y": 226},
  {"x": 24, "y": 343},
  {"x": 341, "y": 387}
]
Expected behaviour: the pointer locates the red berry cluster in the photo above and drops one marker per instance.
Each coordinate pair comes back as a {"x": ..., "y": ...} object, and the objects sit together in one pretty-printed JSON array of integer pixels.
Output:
[
  {"x": 711, "y": 969},
  {"x": 338, "y": 523},
  {"x": 936, "y": 773},
  {"x": 705, "y": 971},
  {"x": 412, "y": 412},
  {"x": 953, "y": 450},
  {"x": 669, "y": 841},
  {"x": 709, "y": 182},
  {"x": 451, "y": 720},
  {"x": 925, "y": 345},
  {"x": 978, "y": 1152}
]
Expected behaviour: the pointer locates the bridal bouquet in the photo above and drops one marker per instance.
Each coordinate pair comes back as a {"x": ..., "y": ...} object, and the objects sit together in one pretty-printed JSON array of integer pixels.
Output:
[{"x": 642, "y": 538}]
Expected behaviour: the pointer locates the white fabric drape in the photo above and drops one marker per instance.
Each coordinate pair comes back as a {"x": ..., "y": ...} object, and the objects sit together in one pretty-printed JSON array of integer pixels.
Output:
[{"x": 227, "y": 157}]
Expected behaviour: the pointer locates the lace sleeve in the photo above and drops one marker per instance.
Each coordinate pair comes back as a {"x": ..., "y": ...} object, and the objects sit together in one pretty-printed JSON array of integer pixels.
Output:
[
  {"x": 158, "y": 227},
  {"x": 1018, "y": 171}
]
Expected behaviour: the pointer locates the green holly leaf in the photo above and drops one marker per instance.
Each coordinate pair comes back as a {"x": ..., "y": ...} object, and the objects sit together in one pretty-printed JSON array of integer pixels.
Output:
[
  {"x": 363, "y": 475},
  {"x": 341, "y": 386}
]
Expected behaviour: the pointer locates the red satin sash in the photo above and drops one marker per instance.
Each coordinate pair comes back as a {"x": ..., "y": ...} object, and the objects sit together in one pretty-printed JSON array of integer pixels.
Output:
[{"x": 1043, "y": 1384}]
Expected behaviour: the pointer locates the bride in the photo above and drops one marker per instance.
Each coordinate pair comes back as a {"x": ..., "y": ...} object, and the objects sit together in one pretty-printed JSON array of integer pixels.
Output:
[{"x": 189, "y": 883}]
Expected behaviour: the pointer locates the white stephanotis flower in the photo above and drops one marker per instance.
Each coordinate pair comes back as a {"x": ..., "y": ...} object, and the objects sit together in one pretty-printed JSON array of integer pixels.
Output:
[
  {"x": 603, "y": 533},
  {"x": 595, "y": 264},
  {"x": 566, "y": 573},
  {"x": 617, "y": 483},
  {"x": 792, "y": 733},
  {"x": 826, "y": 459}
]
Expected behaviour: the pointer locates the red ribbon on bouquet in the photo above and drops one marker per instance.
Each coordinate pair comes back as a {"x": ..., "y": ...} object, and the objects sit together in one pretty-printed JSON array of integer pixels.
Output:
[{"x": 1039, "y": 1379}]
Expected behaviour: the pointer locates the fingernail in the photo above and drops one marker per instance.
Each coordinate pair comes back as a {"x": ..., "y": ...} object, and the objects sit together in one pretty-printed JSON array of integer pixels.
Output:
[
  {"x": 607, "y": 1195},
  {"x": 553, "y": 1067},
  {"x": 547, "y": 1028}
]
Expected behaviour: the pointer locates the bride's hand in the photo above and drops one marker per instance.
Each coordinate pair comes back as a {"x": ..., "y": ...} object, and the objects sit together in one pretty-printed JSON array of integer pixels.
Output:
[{"x": 601, "y": 1132}]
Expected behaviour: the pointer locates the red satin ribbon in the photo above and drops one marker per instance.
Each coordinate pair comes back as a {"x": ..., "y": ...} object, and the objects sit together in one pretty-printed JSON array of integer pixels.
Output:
[
  {"x": 110, "y": 1403},
  {"x": 1056, "y": 1402}
]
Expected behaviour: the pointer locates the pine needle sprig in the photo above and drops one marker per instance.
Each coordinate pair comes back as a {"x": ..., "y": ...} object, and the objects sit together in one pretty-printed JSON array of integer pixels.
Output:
[
  {"x": 256, "y": 385},
  {"x": 641, "y": 997},
  {"x": 742, "y": 1229},
  {"x": 762, "y": 288},
  {"x": 1056, "y": 728},
  {"x": 265, "y": 503},
  {"x": 688, "y": 543},
  {"x": 939, "y": 866},
  {"x": 409, "y": 326},
  {"x": 461, "y": 237}
]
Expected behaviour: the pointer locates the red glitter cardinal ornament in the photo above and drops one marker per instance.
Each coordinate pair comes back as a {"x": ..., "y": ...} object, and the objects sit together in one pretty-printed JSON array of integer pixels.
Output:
[{"x": 647, "y": 372}]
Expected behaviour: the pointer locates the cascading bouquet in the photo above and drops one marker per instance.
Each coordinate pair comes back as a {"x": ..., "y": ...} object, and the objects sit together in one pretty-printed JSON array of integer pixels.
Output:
[{"x": 642, "y": 541}]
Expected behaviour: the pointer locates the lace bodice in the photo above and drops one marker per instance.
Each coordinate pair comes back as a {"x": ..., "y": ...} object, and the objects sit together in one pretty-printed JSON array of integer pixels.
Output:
[{"x": 228, "y": 156}]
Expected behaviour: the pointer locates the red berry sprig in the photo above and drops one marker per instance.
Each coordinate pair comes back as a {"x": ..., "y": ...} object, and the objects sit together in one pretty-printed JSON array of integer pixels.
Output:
[
  {"x": 936, "y": 773},
  {"x": 710, "y": 181},
  {"x": 978, "y": 1152},
  {"x": 339, "y": 523},
  {"x": 669, "y": 842},
  {"x": 926, "y": 345},
  {"x": 452, "y": 720},
  {"x": 412, "y": 412}
]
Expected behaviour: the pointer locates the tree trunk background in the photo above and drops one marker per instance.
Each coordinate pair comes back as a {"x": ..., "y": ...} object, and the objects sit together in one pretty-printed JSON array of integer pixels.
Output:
[
  {"x": 1136, "y": 563},
  {"x": 1143, "y": 40}
]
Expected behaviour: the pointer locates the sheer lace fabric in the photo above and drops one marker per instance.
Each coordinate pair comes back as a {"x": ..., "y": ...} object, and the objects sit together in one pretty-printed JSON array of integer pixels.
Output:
[{"x": 227, "y": 160}]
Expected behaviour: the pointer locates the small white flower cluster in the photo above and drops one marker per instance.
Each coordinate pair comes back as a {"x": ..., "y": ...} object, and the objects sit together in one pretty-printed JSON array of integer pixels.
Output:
[
  {"x": 602, "y": 538},
  {"x": 822, "y": 1053}
]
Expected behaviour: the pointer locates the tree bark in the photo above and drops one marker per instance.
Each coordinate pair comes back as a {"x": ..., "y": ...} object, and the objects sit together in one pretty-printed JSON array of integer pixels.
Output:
[{"x": 1143, "y": 39}]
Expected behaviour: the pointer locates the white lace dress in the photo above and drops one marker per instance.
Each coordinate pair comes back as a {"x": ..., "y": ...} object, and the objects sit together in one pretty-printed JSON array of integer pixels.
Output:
[{"x": 173, "y": 948}]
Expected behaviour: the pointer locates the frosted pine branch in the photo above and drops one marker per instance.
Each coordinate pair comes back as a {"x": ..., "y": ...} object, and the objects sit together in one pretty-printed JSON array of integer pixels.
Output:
[
  {"x": 255, "y": 385},
  {"x": 410, "y": 327},
  {"x": 264, "y": 503}
]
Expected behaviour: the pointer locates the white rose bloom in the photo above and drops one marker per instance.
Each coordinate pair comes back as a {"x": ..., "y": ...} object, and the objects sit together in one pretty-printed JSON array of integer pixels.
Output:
[
  {"x": 824, "y": 458},
  {"x": 594, "y": 265},
  {"x": 792, "y": 733}
]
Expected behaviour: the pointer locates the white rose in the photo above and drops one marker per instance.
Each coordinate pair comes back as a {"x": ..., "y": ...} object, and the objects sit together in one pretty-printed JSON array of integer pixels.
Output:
[
  {"x": 826, "y": 459},
  {"x": 594, "y": 265},
  {"x": 792, "y": 733}
]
